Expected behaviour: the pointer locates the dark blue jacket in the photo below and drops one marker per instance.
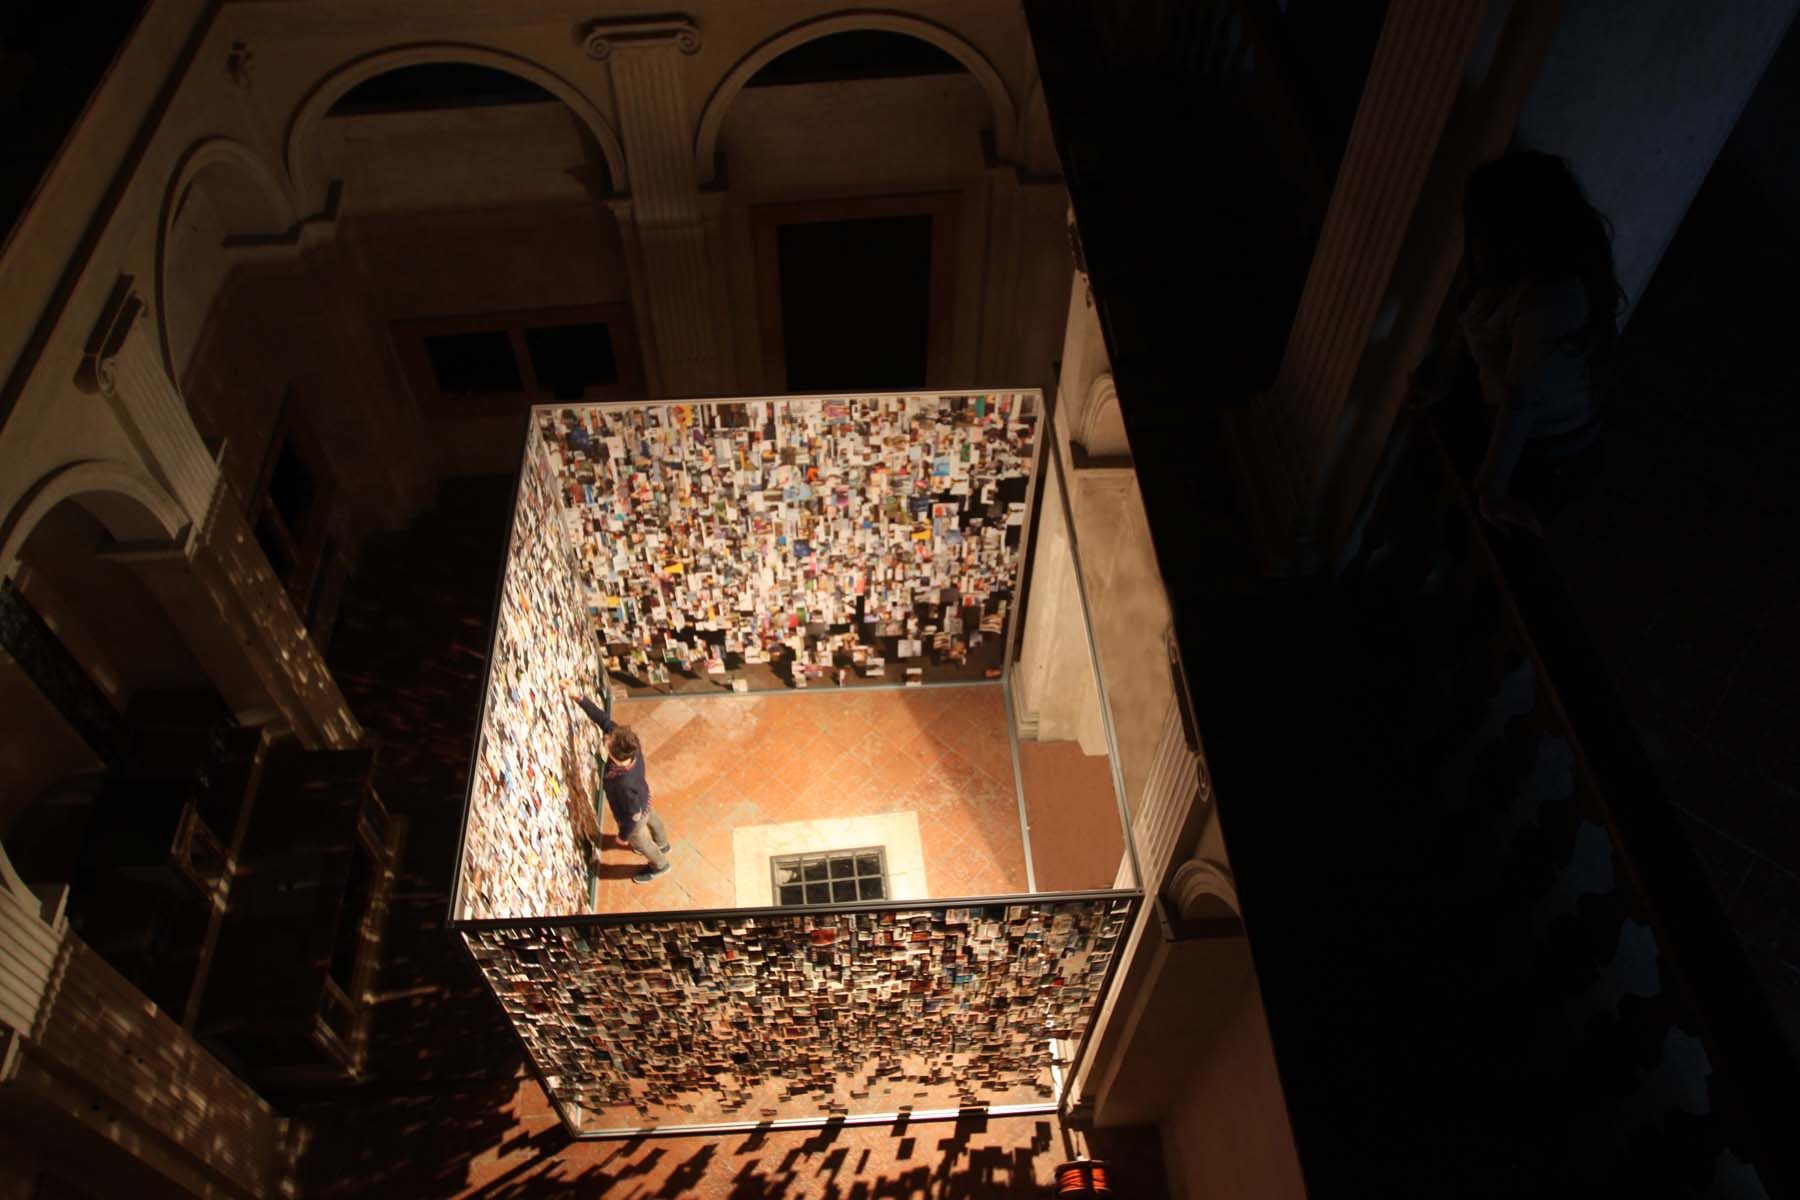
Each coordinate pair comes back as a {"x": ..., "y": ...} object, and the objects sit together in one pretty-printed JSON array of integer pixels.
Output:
[{"x": 627, "y": 791}]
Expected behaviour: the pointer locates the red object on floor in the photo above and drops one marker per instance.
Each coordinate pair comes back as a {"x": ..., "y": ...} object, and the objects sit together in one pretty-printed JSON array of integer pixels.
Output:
[{"x": 1082, "y": 1177}]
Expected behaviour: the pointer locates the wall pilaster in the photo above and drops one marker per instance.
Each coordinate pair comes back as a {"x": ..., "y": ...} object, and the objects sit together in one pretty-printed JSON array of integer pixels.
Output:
[
  {"x": 1285, "y": 442},
  {"x": 666, "y": 218}
]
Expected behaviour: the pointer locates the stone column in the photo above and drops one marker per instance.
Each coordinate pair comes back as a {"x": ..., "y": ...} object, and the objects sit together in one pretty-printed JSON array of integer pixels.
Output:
[
  {"x": 1284, "y": 443},
  {"x": 120, "y": 364},
  {"x": 644, "y": 61},
  {"x": 217, "y": 586}
]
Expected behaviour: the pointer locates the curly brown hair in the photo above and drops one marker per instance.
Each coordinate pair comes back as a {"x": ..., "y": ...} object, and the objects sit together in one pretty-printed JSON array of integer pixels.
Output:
[{"x": 623, "y": 746}]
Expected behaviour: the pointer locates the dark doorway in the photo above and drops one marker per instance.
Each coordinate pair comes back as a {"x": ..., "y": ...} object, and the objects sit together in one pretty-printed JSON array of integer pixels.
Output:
[{"x": 856, "y": 302}]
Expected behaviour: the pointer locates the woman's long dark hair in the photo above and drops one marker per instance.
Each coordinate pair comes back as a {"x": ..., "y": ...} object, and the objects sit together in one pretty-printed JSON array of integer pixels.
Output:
[{"x": 1532, "y": 219}]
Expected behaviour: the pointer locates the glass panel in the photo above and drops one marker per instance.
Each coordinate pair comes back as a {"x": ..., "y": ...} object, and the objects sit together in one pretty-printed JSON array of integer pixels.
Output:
[
  {"x": 1049, "y": 960},
  {"x": 843, "y": 889},
  {"x": 871, "y": 888},
  {"x": 572, "y": 609},
  {"x": 1066, "y": 770},
  {"x": 792, "y": 894},
  {"x": 818, "y": 893}
]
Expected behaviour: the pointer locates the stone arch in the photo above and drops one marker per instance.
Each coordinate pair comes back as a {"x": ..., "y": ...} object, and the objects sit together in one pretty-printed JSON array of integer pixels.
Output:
[
  {"x": 131, "y": 505},
  {"x": 1035, "y": 144},
  {"x": 253, "y": 200},
  {"x": 1202, "y": 889},
  {"x": 304, "y": 125},
  {"x": 712, "y": 118},
  {"x": 1101, "y": 431}
]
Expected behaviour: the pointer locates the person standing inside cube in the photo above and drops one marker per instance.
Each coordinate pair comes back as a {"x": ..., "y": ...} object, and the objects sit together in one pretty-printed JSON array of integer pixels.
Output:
[{"x": 628, "y": 790}]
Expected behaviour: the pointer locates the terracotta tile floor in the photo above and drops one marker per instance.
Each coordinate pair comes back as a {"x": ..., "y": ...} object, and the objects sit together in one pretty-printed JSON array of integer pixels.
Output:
[
  {"x": 723, "y": 762},
  {"x": 1076, "y": 838}
]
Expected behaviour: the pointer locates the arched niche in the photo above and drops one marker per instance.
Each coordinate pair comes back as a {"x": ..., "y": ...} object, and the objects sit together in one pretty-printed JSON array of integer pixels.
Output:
[
  {"x": 301, "y": 143},
  {"x": 1035, "y": 147},
  {"x": 220, "y": 192},
  {"x": 59, "y": 549},
  {"x": 1202, "y": 890},
  {"x": 1102, "y": 427},
  {"x": 132, "y": 507},
  {"x": 718, "y": 105}
]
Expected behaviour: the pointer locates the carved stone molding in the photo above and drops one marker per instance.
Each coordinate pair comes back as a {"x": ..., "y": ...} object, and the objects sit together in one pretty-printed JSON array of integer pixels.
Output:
[
  {"x": 1102, "y": 429},
  {"x": 599, "y": 39},
  {"x": 98, "y": 372},
  {"x": 668, "y": 229}
]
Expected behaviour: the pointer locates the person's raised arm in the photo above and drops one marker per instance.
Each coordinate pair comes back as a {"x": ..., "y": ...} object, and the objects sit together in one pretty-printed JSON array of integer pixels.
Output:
[{"x": 594, "y": 712}]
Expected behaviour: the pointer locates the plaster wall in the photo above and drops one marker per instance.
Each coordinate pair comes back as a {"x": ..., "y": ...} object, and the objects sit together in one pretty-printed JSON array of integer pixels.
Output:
[
  {"x": 447, "y": 263},
  {"x": 501, "y": 156},
  {"x": 1226, "y": 1136},
  {"x": 1641, "y": 105},
  {"x": 854, "y": 137}
]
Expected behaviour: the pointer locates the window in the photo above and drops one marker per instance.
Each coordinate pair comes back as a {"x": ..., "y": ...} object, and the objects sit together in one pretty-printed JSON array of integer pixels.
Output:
[
  {"x": 834, "y": 877},
  {"x": 438, "y": 85},
  {"x": 497, "y": 363},
  {"x": 290, "y": 512},
  {"x": 855, "y": 303},
  {"x": 857, "y": 294},
  {"x": 568, "y": 360},
  {"x": 288, "y": 503},
  {"x": 856, "y": 54},
  {"x": 474, "y": 364}
]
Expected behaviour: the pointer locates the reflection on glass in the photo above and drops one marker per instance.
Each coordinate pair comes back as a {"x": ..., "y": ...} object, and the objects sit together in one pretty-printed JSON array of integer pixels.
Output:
[{"x": 1066, "y": 772}]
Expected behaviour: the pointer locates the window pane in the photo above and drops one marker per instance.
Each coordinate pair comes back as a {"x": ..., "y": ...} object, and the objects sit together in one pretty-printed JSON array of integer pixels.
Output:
[
  {"x": 844, "y": 889},
  {"x": 791, "y": 894},
  {"x": 818, "y": 893},
  {"x": 871, "y": 888},
  {"x": 292, "y": 490},
  {"x": 275, "y": 545},
  {"x": 815, "y": 869},
  {"x": 842, "y": 868},
  {"x": 474, "y": 364},
  {"x": 426, "y": 86},
  {"x": 569, "y": 359},
  {"x": 868, "y": 864}
]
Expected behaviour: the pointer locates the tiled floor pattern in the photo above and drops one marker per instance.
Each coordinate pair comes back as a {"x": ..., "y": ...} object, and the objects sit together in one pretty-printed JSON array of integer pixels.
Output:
[
  {"x": 971, "y": 1159},
  {"x": 1076, "y": 838},
  {"x": 719, "y": 763}
]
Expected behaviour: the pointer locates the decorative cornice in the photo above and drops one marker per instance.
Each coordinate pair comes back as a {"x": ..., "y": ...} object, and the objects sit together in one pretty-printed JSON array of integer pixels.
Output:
[
  {"x": 600, "y": 38},
  {"x": 97, "y": 371}
]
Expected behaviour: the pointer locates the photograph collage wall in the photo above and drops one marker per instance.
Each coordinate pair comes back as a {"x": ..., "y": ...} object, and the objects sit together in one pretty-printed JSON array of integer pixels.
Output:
[
  {"x": 531, "y": 792},
  {"x": 765, "y": 1017},
  {"x": 874, "y": 535}
]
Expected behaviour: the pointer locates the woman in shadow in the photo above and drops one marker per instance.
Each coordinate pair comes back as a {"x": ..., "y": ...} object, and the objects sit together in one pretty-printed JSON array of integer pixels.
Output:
[{"x": 1537, "y": 307}]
